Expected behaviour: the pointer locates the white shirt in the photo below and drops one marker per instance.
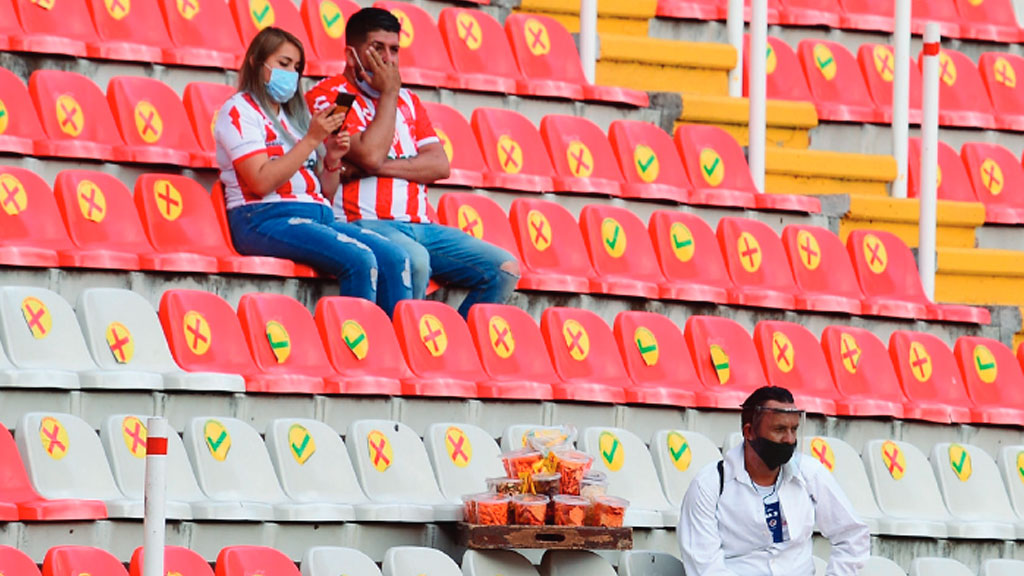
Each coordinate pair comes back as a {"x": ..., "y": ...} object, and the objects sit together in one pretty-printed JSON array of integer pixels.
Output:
[{"x": 728, "y": 536}]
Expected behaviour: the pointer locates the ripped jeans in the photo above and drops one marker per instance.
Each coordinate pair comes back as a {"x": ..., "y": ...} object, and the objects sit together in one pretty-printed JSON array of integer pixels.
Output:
[{"x": 367, "y": 265}]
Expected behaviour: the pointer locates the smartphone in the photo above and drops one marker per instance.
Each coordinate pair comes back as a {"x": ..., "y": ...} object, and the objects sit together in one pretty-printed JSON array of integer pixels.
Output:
[{"x": 343, "y": 104}]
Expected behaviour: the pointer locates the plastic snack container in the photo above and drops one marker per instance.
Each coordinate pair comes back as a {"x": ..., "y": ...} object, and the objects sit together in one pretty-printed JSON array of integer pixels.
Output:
[
  {"x": 571, "y": 510},
  {"x": 608, "y": 511},
  {"x": 530, "y": 509}
]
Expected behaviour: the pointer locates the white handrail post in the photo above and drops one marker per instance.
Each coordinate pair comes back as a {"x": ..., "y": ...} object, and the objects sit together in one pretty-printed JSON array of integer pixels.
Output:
[
  {"x": 929, "y": 160},
  {"x": 155, "y": 514},
  {"x": 734, "y": 27},
  {"x": 588, "y": 38},
  {"x": 901, "y": 96},
  {"x": 758, "y": 90}
]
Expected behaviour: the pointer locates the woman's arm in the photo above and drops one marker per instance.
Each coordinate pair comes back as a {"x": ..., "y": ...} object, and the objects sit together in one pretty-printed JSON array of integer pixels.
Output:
[{"x": 330, "y": 175}]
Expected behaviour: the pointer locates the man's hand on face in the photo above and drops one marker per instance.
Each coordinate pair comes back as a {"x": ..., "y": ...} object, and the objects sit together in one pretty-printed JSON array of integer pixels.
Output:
[{"x": 385, "y": 76}]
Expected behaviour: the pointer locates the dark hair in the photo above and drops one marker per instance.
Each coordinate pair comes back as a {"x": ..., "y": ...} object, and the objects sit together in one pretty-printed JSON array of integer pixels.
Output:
[
  {"x": 369, "y": 20},
  {"x": 250, "y": 77},
  {"x": 758, "y": 398}
]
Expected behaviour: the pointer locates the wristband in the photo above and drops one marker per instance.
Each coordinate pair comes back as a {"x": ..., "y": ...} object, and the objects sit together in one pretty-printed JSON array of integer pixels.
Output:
[{"x": 336, "y": 167}]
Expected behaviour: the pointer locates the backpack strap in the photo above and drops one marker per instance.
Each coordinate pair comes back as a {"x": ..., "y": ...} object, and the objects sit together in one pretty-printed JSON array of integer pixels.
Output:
[{"x": 721, "y": 477}]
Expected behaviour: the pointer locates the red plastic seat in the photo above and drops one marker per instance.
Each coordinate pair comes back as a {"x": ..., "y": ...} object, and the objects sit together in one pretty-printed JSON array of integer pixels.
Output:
[
  {"x": 991, "y": 20},
  {"x": 1002, "y": 74},
  {"x": 14, "y": 562},
  {"x": 584, "y": 355},
  {"x": 655, "y": 355},
  {"x": 177, "y": 560},
  {"x": 199, "y": 36},
  {"x": 9, "y": 26},
  {"x": 132, "y": 31},
  {"x": 514, "y": 151},
  {"x": 65, "y": 31},
  {"x": 862, "y": 372},
  {"x": 203, "y": 101},
  {"x": 963, "y": 100},
  {"x": 273, "y": 266},
  {"x": 251, "y": 16},
  {"x": 324, "y": 21},
  {"x": 19, "y": 125},
  {"x": 439, "y": 350},
  {"x": 512, "y": 353},
  {"x": 581, "y": 155},
  {"x": 19, "y": 500},
  {"x": 31, "y": 230},
  {"x": 824, "y": 277},
  {"x": 465, "y": 162},
  {"x": 424, "y": 61},
  {"x": 930, "y": 378},
  {"x": 878, "y": 66},
  {"x": 996, "y": 178},
  {"x": 792, "y": 358},
  {"x": 867, "y": 15},
  {"x": 75, "y": 116},
  {"x": 836, "y": 83},
  {"x": 726, "y": 361},
  {"x": 250, "y": 560},
  {"x": 774, "y": 9},
  {"x": 993, "y": 378},
  {"x": 98, "y": 213},
  {"x": 77, "y": 560},
  {"x": 554, "y": 258},
  {"x": 478, "y": 216},
  {"x": 153, "y": 125},
  {"x": 689, "y": 257},
  {"x": 943, "y": 12},
  {"x": 479, "y": 51},
  {"x": 649, "y": 162},
  {"x": 621, "y": 253},
  {"x": 547, "y": 57},
  {"x": 757, "y": 264},
  {"x": 786, "y": 80},
  {"x": 953, "y": 182},
  {"x": 352, "y": 328},
  {"x": 690, "y": 9},
  {"x": 810, "y": 13}
]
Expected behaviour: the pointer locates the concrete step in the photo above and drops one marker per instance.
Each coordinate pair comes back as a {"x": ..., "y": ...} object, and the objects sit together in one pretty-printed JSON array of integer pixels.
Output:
[
  {"x": 980, "y": 276},
  {"x": 789, "y": 124},
  {"x": 613, "y": 16},
  {"x": 651, "y": 64},
  {"x": 957, "y": 221},
  {"x": 816, "y": 172}
]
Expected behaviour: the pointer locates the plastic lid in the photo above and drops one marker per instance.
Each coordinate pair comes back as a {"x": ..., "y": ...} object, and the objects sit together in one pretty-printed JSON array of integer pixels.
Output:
[
  {"x": 612, "y": 501},
  {"x": 530, "y": 499},
  {"x": 570, "y": 500},
  {"x": 545, "y": 476},
  {"x": 595, "y": 476},
  {"x": 493, "y": 498},
  {"x": 521, "y": 452}
]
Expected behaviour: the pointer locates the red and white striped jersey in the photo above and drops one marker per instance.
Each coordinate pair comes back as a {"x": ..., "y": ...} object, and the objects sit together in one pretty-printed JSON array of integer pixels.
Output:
[
  {"x": 243, "y": 130},
  {"x": 373, "y": 197}
]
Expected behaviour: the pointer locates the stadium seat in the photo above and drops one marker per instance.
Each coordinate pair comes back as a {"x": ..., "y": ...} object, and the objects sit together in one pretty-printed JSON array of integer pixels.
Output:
[
  {"x": 878, "y": 65},
  {"x": 479, "y": 51},
  {"x": 494, "y": 562},
  {"x": 862, "y": 372},
  {"x": 866, "y": 15},
  {"x": 324, "y": 561},
  {"x": 199, "y": 36},
  {"x": 690, "y": 9},
  {"x": 882, "y": 566},
  {"x": 1001, "y": 567},
  {"x": 963, "y": 100},
  {"x": 1000, "y": 72},
  {"x": 413, "y": 560},
  {"x": 624, "y": 457},
  {"x": 970, "y": 485},
  {"x": 692, "y": 274},
  {"x": 649, "y": 563},
  {"x": 65, "y": 31},
  {"x": 153, "y": 124},
  {"x": 75, "y": 116},
  {"x": 479, "y": 216},
  {"x": 942, "y": 12},
  {"x": 621, "y": 253},
  {"x": 19, "y": 125},
  {"x": 515, "y": 435},
  {"x": 245, "y": 560},
  {"x": 649, "y": 162},
  {"x": 463, "y": 457},
  {"x": 32, "y": 233},
  {"x": 64, "y": 458},
  {"x": 953, "y": 182},
  {"x": 836, "y": 83},
  {"x": 581, "y": 155},
  {"x": 553, "y": 254},
  {"x": 393, "y": 468},
  {"x": 514, "y": 151},
  {"x": 511, "y": 352},
  {"x": 824, "y": 277},
  {"x": 774, "y": 7},
  {"x": 17, "y": 492},
  {"x": 810, "y": 13},
  {"x": 584, "y": 355},
  {"x": 424, "y": 61},
  {"x": 325, "y": 22},
  {"x": 997, "y": 179},
  {"x": 574, "y": 563},
  {"x": 131, "y": 31},
  {"x": 14, "y": 562},
  {"x": 9, "y": 26},
  {"x": 547, "y": 57},
  {"x": 654, "y": 352},
  {"x": 935, "y": 566},
  {"x": 439, "y": 350},
  {"x": 930, "y": 378},
  {"x": 75, "y": 560},
  {"x": 465, "y": 161},
  {"x": 251, "y": 16},
  {"x": 203, "y": 101},
  {"x": 792, "y": 358},
  {"x": 312, "y": 465},
  {"x": 348, "y": 328},
  {"x": 678, "y": 455},
  {"x": 846, "y": 467},
  {"x": 757, "y": 264},
  {"x": 786, "y": 80},
  {"x": 726, "y": 361},
  {"x": 993, "y": 378},
  {"x": 1010, "y": 460},
  {"x": 177, "y": 559},
  {"x": 991, "y": 21},
  {"x": 905, "y": 489}
]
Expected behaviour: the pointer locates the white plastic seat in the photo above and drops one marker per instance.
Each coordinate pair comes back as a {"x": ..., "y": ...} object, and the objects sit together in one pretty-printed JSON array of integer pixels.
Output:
[
  {"x": 1002, "y": 567},
  {"x": 514, "y": 436},
  {"x": 848, "y": 470},
  {"x": 938, "y": 567},
  {"x": 819, "y": 566},
  {"x": 574, "y": 563},
  {"x": 908, "y": 497},
  {"x": 624, "y": 457},
  {"x": 40, "y": 332},
  {"x": 117, "y": 321},
  {"x": 332, "y": 560},
  {"x": 393, "y": 468},
  {"x": 970, "y": 485},
  {"x": 416, "y": 561},
  {"x": 64, "y": 459},
  {"x": 678, "y": 455},
  {"x": 879, "y": 566},
  {"x": 463, "y": 457},
  {"x": 496, "y": 563},
  {"x": 649, "y": 563},
  {"x": 1010, "y": 461}
]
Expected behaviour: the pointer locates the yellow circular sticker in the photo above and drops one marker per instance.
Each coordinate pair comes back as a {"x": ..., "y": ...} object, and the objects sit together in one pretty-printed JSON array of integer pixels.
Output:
[
  {"x": 13, "y": 197},
  {"x": 749, "y": 252},
  {"x": 1020, "y": 465},
  {"x": 37, "y": 316},
  {"x": 332, "y": 19},
  {"x": 985, "y": 364},
  {"x": 135, "y": 434},
  {"x": 782, "y": 351},
  {"x": 120, "y": 342},
  {"x": 262, "y": 13},
  {"x": 810, "y": 251},
  {"x": 938, "y": 177},
  {"x": 540, "y": 230},
  {"x": 537, "y": 37},
  {"x": 70, "y": 117},
  {"x": 5, "y": 117},
  {"x": 682, "y": 241},
  {"x": 407, "y": 34},
  {"x": 711, "y": 167},
  {"x": 960, "y": 462},
  {"x": 992, "y": 176},
  {"x": 646, "y": 345},
  {"x": 849, "y": 352},
  {"x": 920, "y": 362},
  {"x": 612, "y": 451},
  {"x": 947, "y": 69},
  {"x": 825, "y": 61},
  {"x": 576, "y": 339},
  {"x": 500, "y": 334},
  {"x": 822, "y": 451},
  {"x": 510, "y": 155},
  {"x": 188, "y": 8},
  {"x": 432, "y": 335},
  {"x": 646, "y": 163},
  {"x": 772, "y": 60},
  {"x": 679, "y": 450},
  {"x": 91, "y": 201},
  {"x": 875, "y": 254},
  {"x": 54, "y": 437},
  {"x": 460, "y": 449},
  {"x": 380, "y": 450},
  {"x": 197, "y": 332},
  {"x": 581, "y": 161},
  {"x": 469, "y": 30},
  {"x": 885, "y": 62},
  {"x": 355, "y": 338},
  {"x": 613, "y": 237},
  {"x": 118, "y": 9},
  {"x": 300, "y": 443},
  {"x": 279, "y": 340},
  {"x": 1004, "y": 73},
  {"x": 446, "y": 143},
  {"x": 218, "y": 441},
  {"x": 168, "y": 200},
  {"x": 470, "y": 221},
  {"x": 148, "y": 122},
  {"x": 720, "y": 362},
  {"x": 894, "y": 460}
]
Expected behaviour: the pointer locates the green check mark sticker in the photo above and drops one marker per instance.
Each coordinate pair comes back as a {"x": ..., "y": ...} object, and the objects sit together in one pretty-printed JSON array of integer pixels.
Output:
[
  {"x": 824, "y": 64},
  {"x": 960, "y": 462},
  {"x": 709, "y": 170},
  {"x": 301, "y": 443},
  {"x": 614, "y": 237},
  {"x": 682, "y": 242},
  {"x": 259, "y": 16},
  {"x": 262, "y": 13},
  {"x": 712, "y": 167},
  {"x": 611, "y": 450},
  {"x": 646, "y": 162},
  {"x": 985, "y": 363},
  {"x": 679, "y": 451},
  {"x": 218, "y": 440},
  {"x": 332, "y": 19}
]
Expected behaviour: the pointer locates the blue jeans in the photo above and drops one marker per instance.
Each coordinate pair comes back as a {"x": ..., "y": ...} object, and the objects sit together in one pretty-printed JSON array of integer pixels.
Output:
[
  {"x": 367, "y": 265},
  {"x": 454, "y": 257}
]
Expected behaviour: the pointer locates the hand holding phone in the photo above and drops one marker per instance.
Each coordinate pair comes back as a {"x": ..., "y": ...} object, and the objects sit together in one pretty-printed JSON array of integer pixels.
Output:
[{"x": 342, "y": 105}]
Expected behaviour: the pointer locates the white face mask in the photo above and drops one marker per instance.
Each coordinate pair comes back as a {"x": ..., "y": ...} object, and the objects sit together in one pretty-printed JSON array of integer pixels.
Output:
[{"x": 363, "y": 84}]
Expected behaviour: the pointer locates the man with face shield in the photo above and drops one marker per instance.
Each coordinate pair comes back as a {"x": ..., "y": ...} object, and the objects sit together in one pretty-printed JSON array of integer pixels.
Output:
[{"x": 753, "y": 513}]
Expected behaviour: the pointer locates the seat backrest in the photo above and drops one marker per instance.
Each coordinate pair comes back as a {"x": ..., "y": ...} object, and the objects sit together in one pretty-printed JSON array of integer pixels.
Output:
[
  {"x": 282, "y": 335},
  {"x": 1011, "y": 467},
  {"x": 476, "y": 43},
  {"x": 902, "y": 480},
  {"x": 359, "y": 338},
  {"x": 132, "y": 22},
  {"x": 549, "y": 238},
  {"x": 177, "y": 559},
  {"x": 574, "y": 563},
  {"x": 149, "y": 113},
  {"x": 495, "y": 563},
  {"x": 792, "y": 358},
  {"x": 29, "y": 214},
  {"x": 678, "y": 455},
  {"x": 124, "y": 440},
  {"x": 413, "y": 560},
  {"x": 39, "y": 330},
  {"x": 624, "y": 457},
  {"x": 251, "y": 16},
  {"x": 72, "y": 21},
  {"x": 646, "y": 154},
  {"x": 995, "y": 173},
  {"x": 847, "y": 468},
  {"x": 786, "y": 81},
  {"x": 578, "y": 148},
  {"x": 244, "y": 560},
  {"x": 325, "y": 23},
  {"x": 178, "y": 216},
  {"x": 230, "y": 461},
  {"x": 687, "y": 248},
  {"x": 123, "y": 331},
  {"x": 960, "y": 83},
  {"x": 510, "y": 143},
  {"x": 990, "y": 371},
  {"x": 419, "y": 38},
  {"x": 391, "y": 463},
  {"x": 312, "y": 462},
  {"x": 649, "y": 563},
  {"x": 860, "y": 364},
  {"x": 98, "y": 212},
  {"x": 619, "y": 243},
  {"x": 194, "y": 24},
  {"x": 455, "y": 133},
  {"x": 203, "y": 101},
  {"x": 70, "y": 105},
  {"x": 713, "y": 159},
  {"x": 878, "y": 65},
  {"x": 203, "y": 333},
  {"x": 582, "y": 347},
  {"x": 723, "y": 354},
  {"x": 14, "y": 562},
  {"x": 1002, "y": 73},
  {"x": 1001, "y": 567},
  {"x": 479, "y": 216},
  {"x": 14, "y": 482},
  {"x": 819, "y": 261},
  {"x": 509, "y": 344},
  {"x": 74, "y": 560},
  {"x": 654, "y": 351},
  {"x": 927, "y": 369},
  {"x": 754, "y": 254},
  {"x": 934, "y": 566},
  {"x": 952, "y": 179},
  {"x": 969, "y": 481},
  {"x": 832, "y": 73},
  {"x": 881, "y": 566},
  {"x": 463, "y": 457},
  {"x": 436, "y": 341},
  {"x": 544, "y": 49},
  {"x": 884, "y": 265},
  {"x": 64, "y": 457},
  {"x": 19, "y": 124},
  {"x": 325, "y": 561}
]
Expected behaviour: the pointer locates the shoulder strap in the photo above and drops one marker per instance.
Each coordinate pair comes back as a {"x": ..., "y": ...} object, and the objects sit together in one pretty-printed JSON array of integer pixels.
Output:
[{"x": 721, "y": 477}]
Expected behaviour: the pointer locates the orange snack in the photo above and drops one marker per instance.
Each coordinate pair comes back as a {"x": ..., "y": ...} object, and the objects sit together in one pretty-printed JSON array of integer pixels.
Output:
[
  {"x": 547, "y": 484},
  {"x": 608, "y": 511},
  {"x": 519, "y": 463},
  {"x": 469, "y": 508},
  {"x": 573, "y": 465},
  {"x": 492, "y": 509},
  {"x": 530, "y": 509},
  {"x": 570, "y": 510}
]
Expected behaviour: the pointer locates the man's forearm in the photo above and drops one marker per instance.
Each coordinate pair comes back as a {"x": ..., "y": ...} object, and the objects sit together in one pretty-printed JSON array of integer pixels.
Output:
[
  {"x": 422, "y": 169},
  {"x": 370, "y": 147}
]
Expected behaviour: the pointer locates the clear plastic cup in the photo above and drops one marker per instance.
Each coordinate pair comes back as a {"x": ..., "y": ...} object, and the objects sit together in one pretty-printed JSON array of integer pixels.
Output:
[
  {"x": 594, "y": 484},
  {"x": 492, "y": 509},
  {"x": 509, "y": 486},
  {"x": 519, "y": 463},
  {"x": 530, "y": 509},
  {"x": 570, "y": 510},
  {"x": 608, "y": 511},
  {"x": 572, "y": 465}
]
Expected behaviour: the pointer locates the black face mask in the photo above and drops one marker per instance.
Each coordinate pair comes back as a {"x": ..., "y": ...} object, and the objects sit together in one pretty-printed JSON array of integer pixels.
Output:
[{"x": 773, "y": 454}]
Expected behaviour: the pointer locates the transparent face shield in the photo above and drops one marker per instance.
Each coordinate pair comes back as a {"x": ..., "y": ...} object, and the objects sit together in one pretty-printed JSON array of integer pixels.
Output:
[{"x": 802, "y": 414}]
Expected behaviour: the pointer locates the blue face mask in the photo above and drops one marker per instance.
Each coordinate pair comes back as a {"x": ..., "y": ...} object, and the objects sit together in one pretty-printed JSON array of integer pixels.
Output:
[
  {"x": 282, "y": 85},
  {"x": 363, "y": 84}
]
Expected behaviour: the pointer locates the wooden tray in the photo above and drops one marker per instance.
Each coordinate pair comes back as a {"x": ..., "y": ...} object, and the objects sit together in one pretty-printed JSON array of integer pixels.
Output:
[{"x": 561, "y": 537}]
